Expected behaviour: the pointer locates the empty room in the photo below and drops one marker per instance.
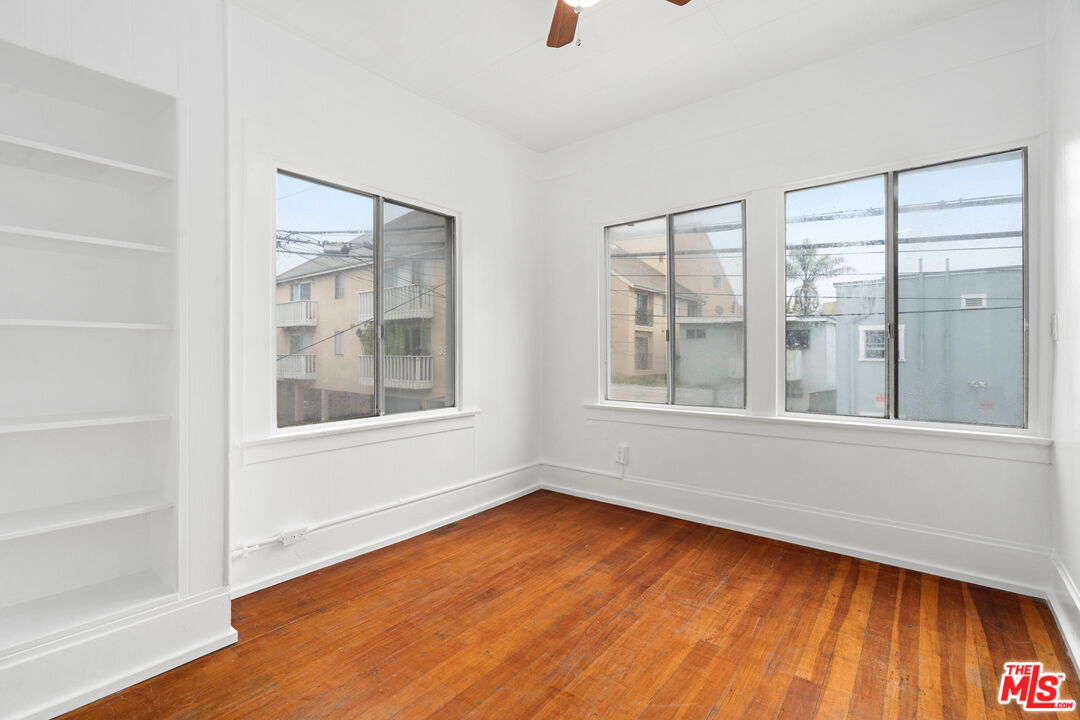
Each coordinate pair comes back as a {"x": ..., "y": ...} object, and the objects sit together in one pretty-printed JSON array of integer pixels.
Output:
[{"x": 539, "y": 359}]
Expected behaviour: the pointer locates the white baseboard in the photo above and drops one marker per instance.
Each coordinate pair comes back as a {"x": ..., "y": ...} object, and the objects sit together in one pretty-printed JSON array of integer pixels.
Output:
[
  {"x": 65, "y": 674},
  {"x": 1064, "y": 599},
  {"x": 984, "y": 561},
  {"x": 377, "y": 530}
]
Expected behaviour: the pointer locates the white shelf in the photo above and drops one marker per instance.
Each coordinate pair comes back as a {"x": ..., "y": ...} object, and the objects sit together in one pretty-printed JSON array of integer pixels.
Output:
[
  {"x": 56, "y": 150},
  {"x": 61, "y": 517},
  {"x": 84, "y": 239},
  {"x": 64, "y": 422},
  {"x": 81, "y": 324},
  {"x": 32, "y": 623}
]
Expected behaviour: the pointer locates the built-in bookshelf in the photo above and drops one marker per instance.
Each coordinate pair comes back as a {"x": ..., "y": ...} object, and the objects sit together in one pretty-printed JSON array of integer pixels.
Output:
[{"x": 88, "y": 367}]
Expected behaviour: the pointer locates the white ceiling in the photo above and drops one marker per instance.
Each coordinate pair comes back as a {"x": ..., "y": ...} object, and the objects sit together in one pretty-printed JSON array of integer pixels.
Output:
[{"x": 488, "y": 59}]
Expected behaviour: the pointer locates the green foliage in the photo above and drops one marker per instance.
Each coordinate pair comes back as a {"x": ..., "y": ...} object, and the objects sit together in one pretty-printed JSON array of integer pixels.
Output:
[{"x": 805, "y": 266}]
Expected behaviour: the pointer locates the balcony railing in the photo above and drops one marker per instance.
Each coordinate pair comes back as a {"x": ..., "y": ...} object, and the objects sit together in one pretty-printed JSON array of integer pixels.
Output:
[
  {"x": 298, "y": 313},
  {"x": 297, "y": 367},
  {"x": 407, "y": 372},
  {"x": 403, "y": 302}
]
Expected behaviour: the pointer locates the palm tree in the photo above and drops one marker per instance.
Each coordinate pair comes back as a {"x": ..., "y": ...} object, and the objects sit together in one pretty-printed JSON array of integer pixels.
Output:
[{"x": 806, "y": 267}]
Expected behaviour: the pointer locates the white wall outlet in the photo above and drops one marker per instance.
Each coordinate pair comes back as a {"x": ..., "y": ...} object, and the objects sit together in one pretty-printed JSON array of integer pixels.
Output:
[
  {"x": 290, "y": 537},
  {"x": 622, "y": 454}
]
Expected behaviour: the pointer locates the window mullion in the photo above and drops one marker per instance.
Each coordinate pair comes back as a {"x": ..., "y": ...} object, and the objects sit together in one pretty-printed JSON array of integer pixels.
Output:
[
  {"x": 892, "y": 322},
  {"x": 671, "y": 307},
  {"x": 377, "y": 306}
]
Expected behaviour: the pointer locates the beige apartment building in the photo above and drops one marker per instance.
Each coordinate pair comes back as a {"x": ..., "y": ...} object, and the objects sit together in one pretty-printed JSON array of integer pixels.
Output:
[
  {"x": 325, "y": 327},
  {"x": 704, "y": 299}
]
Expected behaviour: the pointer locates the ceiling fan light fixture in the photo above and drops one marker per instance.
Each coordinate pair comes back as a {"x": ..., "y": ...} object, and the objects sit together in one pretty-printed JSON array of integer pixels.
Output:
[{"x": 581, "y": 3}]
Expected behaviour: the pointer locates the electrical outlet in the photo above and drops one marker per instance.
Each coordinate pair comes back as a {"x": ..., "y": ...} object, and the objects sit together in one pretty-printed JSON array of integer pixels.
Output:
[
  {"x": 622, "y": 454},
  {"x": 290, "y": 537}
]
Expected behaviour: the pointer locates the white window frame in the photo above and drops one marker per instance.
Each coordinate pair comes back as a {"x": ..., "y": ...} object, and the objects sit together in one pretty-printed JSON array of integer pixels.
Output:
[
  {"x": 339, "y": 343},
  {"x": 297, "y": 288},
  {"x": 765, "y": 411},
  {"x": 273, "y": 434},
  {"x": 890, "y": 175},
  {"x": 669, "y": 325},
  {"x": 864, "y": 329}
]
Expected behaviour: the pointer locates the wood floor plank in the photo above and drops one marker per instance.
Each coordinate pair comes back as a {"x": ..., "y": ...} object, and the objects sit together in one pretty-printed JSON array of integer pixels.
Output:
[
  {"x": 838, "y": 684},
  {"x": 779, "y": 674},
  {"x": 557, "y": 607},
  {"x": 872, "y": 676}
]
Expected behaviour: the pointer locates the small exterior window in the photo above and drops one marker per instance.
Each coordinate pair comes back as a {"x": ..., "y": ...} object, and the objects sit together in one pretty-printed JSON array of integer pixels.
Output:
[
  {"x": 339, "y": 285},
  {"x": 872, "y": 343},
  {"x": 643, "y": 309},
  {"x": 339, "y": 344},
  {"x": 798, "y": 339},
  {"x": 300, "y": 291},
  {"x": 642, "y": 353},
  {"x": 695, "y": 333}
]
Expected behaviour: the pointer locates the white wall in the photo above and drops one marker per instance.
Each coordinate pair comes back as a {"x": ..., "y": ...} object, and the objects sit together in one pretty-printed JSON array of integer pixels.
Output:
[
  {"x": 1063, "y": 23},
  {"x": 176, "y": 48},
  {"x": 943, "y": 501},
  {"x": 294, "y": 105}
]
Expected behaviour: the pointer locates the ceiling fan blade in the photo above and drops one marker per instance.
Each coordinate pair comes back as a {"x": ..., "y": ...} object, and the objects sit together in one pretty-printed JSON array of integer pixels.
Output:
[
  {"x": 679, "y": 2},
  {"x": 563, "y": 25}
]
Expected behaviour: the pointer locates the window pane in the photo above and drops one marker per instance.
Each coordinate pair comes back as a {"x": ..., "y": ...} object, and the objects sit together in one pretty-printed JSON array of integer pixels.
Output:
[
  {"x": 322, "y": 233},
  {"x": 835, "y": 298},
  {"x": 709, "y": 329},
  {"x": 960, "y": 291},
  {"x": 638, "y": 287},
  {"x": 418, "y": 344}
]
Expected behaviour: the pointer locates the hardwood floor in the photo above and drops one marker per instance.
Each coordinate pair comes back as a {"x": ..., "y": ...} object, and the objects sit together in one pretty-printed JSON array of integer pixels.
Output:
[{"x": 556, "y": 607}]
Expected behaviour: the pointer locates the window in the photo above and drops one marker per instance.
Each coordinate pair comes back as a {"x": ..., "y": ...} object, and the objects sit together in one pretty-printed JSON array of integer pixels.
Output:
[
  {"x": 798, "y": 339},
  {"x": 695, "y": 257},
  {"x": 300, "y": 291},
  {"x": 397, "y": 261},
  {"x": 947, "y": 272},
  {"x": 835, "y": 267},
  {"x": 643, "y": 309},
  {"x": 873, "y": 343},
  {"x": 961, "y": 235},
  {"x": 642, "y": 353}
]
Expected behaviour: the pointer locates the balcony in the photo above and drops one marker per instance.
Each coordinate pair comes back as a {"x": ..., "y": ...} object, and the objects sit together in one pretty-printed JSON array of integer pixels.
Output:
[
  {"x": 298, "y": 313},
  {"x": 404, "y": 302},
  {"x": 405, "y": 372},
  {"x": 297, "y": 367}
]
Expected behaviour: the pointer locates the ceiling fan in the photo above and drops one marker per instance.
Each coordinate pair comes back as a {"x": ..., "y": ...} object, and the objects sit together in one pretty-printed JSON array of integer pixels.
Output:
[{"x": 564, "y": 25}]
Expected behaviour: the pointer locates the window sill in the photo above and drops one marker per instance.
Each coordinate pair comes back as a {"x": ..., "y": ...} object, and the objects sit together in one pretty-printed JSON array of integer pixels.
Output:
[
  {"x": 326, "y": 437},
  {"x": 948, "y": 441}
]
